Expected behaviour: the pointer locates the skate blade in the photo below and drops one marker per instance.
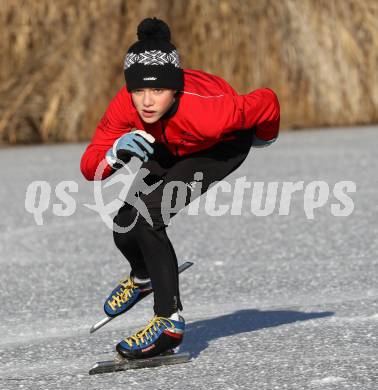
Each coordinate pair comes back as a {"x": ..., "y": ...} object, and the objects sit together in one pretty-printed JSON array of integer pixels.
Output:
[
  {"x": 100, "y": 324},
  {"x": 121, "y": 364}
]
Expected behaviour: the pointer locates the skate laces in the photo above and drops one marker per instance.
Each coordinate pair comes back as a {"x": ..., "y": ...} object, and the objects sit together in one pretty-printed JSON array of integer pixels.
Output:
[
  {"x": 149, "y": 331},
  {"x": 122, "y": 296}
]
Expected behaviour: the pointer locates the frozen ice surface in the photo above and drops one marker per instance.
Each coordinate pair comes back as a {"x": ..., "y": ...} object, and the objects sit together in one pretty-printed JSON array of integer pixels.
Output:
[{"x": 275, "y": 302}]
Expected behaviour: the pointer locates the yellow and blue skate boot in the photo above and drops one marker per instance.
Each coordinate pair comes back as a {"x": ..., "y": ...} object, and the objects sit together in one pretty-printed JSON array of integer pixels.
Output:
[
  {"x": 159, "y": 336},
  {"x": 126, "y": 295}
]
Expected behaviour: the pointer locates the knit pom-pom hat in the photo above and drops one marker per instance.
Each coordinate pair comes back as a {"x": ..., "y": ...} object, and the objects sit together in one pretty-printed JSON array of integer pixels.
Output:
[{"x": 153, "y": 61}]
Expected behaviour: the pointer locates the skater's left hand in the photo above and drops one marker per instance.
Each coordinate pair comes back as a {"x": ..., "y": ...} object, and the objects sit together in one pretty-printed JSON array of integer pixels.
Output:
[{"x": 135, "y": 143}]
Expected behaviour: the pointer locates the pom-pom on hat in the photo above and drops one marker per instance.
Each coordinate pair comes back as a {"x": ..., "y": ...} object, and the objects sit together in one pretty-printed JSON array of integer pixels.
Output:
[{"x": 153, "y": 61}]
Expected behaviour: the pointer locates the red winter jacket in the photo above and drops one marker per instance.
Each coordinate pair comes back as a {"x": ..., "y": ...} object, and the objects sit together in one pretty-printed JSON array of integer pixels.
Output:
[{"x": 209, "y": 111}]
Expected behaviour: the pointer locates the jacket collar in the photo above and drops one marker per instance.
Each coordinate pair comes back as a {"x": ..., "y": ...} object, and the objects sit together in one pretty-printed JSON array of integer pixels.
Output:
[{"x": 172, "y": 111}]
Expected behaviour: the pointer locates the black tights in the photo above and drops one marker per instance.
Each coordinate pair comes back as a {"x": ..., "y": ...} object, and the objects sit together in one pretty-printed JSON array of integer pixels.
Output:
[{"x": 147, "y": 247}]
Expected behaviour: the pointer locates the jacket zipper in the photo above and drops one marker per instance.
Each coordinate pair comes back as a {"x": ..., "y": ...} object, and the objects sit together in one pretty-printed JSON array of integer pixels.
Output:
[
  {"x": 165, "y": 137},
  {"x": 163, "y": 132}
]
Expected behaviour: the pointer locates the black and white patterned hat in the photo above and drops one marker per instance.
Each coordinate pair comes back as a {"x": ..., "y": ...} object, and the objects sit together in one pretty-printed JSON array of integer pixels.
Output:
[{"x": 153, "y": 61}]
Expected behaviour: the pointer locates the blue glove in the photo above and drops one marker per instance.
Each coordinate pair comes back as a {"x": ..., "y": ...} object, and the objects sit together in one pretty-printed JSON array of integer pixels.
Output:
[{"x": 136, "y": 143}]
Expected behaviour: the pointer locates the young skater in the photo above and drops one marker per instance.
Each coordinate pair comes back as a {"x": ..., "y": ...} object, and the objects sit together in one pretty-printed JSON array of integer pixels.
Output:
[{"x": 184, "y": 125}]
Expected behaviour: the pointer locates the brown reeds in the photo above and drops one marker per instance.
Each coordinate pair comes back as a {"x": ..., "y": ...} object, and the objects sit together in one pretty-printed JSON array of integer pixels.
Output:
[{"x": 62, "y": 61}]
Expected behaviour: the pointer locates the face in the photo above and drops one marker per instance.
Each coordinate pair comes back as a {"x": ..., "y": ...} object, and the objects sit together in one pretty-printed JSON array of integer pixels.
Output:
[{"x": 152, "y": 103}]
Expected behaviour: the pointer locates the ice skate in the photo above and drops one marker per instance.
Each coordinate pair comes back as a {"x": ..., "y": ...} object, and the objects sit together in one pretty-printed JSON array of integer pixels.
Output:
[
  {"x": 126, "y": 295},
  {"x": 159, "y": 336},
  {"x": 152, "y": 346}
]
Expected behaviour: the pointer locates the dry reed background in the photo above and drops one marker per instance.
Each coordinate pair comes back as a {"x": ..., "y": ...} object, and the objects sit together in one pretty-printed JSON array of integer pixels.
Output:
[{"x": 61, "y": 61}]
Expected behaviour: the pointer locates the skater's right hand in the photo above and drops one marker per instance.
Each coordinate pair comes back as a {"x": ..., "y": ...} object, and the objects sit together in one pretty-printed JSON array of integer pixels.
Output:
[{"x": 136, "y": 143}]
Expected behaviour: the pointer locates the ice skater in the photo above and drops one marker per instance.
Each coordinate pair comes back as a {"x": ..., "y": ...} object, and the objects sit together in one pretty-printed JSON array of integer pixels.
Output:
[{"x": 184, "y": 125}]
